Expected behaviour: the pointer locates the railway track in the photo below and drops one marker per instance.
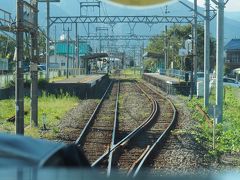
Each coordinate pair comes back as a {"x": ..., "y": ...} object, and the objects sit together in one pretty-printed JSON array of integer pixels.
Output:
[
  {"x": 160, "y": 131},
  {"x": 133, "y": 154},
  {"x": 95, "y": 138},
  {"x": 127, "y": 156},
  {"x": 109, "y": 144},
  {"x": 134, "y": 108}
]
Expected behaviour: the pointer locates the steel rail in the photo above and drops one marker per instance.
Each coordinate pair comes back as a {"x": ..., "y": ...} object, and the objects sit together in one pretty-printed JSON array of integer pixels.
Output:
[
  {"x": 114, "y": 131},
  {"x": 90, "y": 121},
  {"x": 128, "y": 137},
  {"x": 163, "y": 135},
  {"x": 133, "y": 133}
]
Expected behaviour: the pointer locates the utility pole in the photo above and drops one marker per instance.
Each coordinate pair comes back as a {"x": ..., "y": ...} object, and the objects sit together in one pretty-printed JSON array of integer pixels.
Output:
[
  {"x": 77, "y": 46},
  {"x": 142, "y": 59},
  {"x": 47, "y": 39},
  {"x": 55, "y": 44},
  {"x": 19, "y": 86},
  {"x": 195, "y": 55},
  {"x": 48, "y": 34},
  {"x": 206, "y": 53},
  {"x": 100, "y": 30},
  {"x": 220, "y": 60},
  {"x": 33, "y": 65},
  {"x": 134, "y": 60},
  {"x": 166, "y": 41},
  {"x": 68, "y": 52}
]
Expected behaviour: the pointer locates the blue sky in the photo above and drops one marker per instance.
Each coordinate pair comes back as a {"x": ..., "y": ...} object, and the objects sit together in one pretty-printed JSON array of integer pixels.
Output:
[{"x": 232, "y": 5}]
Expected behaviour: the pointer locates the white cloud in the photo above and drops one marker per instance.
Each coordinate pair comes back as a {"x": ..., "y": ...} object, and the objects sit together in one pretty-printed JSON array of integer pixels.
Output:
[{"x": 232, "y": 5}]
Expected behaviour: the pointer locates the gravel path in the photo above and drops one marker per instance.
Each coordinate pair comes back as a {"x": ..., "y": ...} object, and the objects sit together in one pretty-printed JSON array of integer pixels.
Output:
[
  {"x": 181, "y": 153},
  {"x": 74, "y": 121},
  {"x": 134, "y": 108},
  {"x": 184, "y": 155}
]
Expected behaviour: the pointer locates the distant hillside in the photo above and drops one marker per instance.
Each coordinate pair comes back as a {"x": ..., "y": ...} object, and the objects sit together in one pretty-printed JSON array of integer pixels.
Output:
[
  {"x": 232, "y": 27},
  {"x": 233, "y": 15},
  {"x": 71, "y": 7},
  {"x": 10, "y": 6}
]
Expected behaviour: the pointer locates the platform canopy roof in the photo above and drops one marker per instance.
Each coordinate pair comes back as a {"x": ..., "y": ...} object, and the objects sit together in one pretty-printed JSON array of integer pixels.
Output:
[
  {"x": 153, "y": 55},
  {"x": 94, "y": 56},
  {"x": 234, "y": 44}
]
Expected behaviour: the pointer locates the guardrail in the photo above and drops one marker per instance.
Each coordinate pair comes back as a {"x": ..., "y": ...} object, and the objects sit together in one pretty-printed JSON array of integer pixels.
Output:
[{"x": 173, "y": 73}]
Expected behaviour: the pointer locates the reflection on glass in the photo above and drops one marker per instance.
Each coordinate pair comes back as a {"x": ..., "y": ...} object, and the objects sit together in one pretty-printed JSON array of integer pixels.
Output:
[{"x": 140, "y": 2}]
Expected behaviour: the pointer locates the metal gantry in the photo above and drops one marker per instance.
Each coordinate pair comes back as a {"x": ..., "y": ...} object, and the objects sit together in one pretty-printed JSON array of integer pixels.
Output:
[
  {"x": 118, "y": 37},
  {"x": 5, "y": 20},
  {"x": 121, "y": 19},
  {"x": 113, "y": 20},
  {"x": 90, "y": 4}
]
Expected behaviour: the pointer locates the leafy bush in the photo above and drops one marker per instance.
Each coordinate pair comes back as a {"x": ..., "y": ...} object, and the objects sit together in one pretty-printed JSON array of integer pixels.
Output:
[{"x": 227, "y": 134}]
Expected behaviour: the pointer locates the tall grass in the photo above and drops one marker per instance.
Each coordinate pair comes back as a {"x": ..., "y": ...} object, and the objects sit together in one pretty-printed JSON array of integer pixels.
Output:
[
  {"x": 228, "y": 132},
  {"x": 54, "y": 108}
]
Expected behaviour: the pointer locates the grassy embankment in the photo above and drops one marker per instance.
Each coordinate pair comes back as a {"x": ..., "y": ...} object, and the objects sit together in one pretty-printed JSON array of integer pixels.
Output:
[
  {"x": 227, "y": 134},
  {"x": 53, "y": 107}
]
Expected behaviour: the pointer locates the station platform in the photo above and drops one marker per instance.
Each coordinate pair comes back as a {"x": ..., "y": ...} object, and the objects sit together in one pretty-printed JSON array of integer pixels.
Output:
[
  {"x": 88, "y": 79},
  {"x": 83, "y": 86},
  {"x": 170, "y": 85}
]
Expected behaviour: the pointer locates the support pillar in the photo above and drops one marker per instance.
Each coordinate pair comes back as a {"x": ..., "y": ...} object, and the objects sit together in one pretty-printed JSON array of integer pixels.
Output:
[
  {"x": 195, "y": 55},
  {"x": 206, "y": 53},
  {"x": 220, "y": 61},
  {"x": 34, "y": 68},
  {"x": 47, "y": 40},
  {"x": 19, "y": 83}
]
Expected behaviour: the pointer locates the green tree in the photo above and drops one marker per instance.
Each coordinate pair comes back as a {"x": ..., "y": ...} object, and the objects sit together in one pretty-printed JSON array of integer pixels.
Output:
[
  {"x": 42, "y": 42},
  {"x": 176, "y": 37},
  {"x": 150, "y": 65},
  {"x": 7, "y": 47}
]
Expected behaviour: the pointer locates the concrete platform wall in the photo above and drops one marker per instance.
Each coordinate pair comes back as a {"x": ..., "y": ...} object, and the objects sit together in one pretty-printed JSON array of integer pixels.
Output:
[
  {"x": 7, "y": 93},
  {"x": 173, "y": 89},
  {"x": 82, "y": 90}
]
